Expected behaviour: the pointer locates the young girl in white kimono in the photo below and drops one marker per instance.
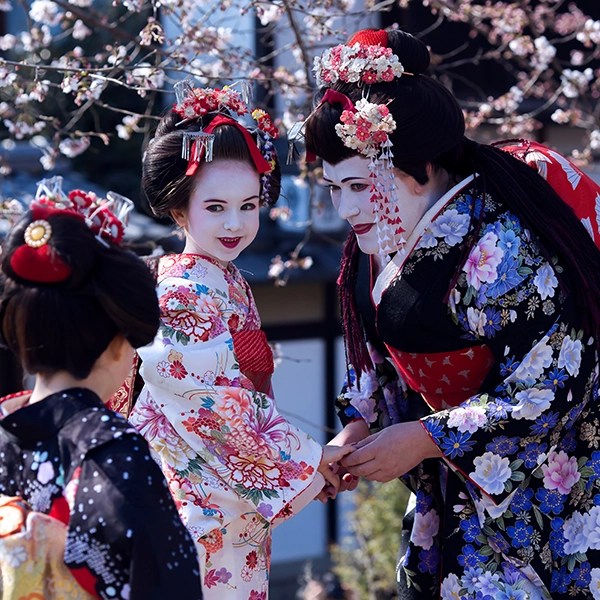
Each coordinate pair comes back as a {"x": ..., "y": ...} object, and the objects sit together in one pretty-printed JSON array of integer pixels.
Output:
[{"x": 234, "y": 465}]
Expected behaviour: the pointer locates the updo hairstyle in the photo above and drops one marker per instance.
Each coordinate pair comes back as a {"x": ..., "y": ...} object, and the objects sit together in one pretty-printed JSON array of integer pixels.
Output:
[
  {"x": 164, "y": 181},
  {"x": 66, "y": 326},
  {"x": 429, "y": 121}
]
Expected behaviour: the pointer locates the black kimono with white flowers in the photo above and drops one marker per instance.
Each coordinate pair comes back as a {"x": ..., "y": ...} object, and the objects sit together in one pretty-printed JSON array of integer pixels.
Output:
[
  {"x": 492, "y": 359},
  {"x": 70, "y": 457}
]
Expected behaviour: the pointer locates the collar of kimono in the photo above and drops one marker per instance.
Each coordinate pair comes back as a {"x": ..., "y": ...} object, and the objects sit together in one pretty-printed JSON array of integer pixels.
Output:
[{"x": 260, "y": 162}]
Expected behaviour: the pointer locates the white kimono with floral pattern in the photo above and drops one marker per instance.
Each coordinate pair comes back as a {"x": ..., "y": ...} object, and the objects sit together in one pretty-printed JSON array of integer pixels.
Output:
[{"x": 235, "y": 467}]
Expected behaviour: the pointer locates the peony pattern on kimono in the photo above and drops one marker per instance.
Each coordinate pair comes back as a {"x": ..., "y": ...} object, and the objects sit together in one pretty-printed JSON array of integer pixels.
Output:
[
  {"x": 234, "y": 465},
  {"x": 518, "y": 490},
  {"x": 190, "y": 314},
  {"x": 535, "y": 394}
]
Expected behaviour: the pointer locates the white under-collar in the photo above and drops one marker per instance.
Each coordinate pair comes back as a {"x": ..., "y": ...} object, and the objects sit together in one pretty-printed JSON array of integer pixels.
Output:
[{"x": 392, "y": 269}]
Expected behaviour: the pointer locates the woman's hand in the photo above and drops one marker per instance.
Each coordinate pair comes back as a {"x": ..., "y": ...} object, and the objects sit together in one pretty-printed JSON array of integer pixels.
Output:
[
  {"x": 391, "y": 452},
  {"x": 353, "y": 432}
]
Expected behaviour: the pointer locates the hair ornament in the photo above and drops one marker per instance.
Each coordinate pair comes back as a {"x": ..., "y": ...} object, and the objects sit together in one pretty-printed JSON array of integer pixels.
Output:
[
  {"x": 197, "y": 144},
  {"x": 51, "y": 189},
  {"x": 39, "y": 265},
  {"x": 206, "y": 140},
  {"x": 365, "y": 126},
  {"x": 295, "y": 136},
  {"x": 37, "y": 260},
  {"x": 106, "y": 217},
  {"x": 38, "y": 233},
  {"x": 264, "y": 122},
  {"x": 268, "y": 151},
  {"x": 358, "y": 63},
  {"x": 195, "y": 103}
]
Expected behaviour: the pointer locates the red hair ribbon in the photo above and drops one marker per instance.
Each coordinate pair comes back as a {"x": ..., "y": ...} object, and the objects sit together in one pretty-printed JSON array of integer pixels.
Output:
[
  {"x": 369, "y": 37},
  {"x": 260, "y": 162},
  {"x": 42, "y": 264},
  {"x": 333, "y": 97}
]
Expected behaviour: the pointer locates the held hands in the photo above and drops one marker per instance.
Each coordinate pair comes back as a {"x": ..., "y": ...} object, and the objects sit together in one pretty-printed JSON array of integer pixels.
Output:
[
  {"x": 353, "y": 432},
  {"x": 329, "y": 464},
  {"x": 391, "y": 452}
]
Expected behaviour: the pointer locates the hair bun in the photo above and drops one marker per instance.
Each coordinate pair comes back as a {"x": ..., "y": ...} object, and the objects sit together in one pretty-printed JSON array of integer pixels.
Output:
[
  {"x": 413, "y": 53},
  {"x": 68, "y": 256}
]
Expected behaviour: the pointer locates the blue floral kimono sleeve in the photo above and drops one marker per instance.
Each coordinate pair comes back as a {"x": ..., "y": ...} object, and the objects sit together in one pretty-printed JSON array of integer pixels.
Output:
[
  {"x": 522, "y": 429},
  {"x": 380, "y": 397}
]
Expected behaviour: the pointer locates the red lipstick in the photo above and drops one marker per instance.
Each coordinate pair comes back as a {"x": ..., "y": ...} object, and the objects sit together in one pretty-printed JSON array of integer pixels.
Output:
[
  {"x": 230, "y": 243},
  {"x": 363, "y": 228}
]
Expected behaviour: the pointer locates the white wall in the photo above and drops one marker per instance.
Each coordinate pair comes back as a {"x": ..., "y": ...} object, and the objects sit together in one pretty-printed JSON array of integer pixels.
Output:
[{"x": 299, "y": 390}]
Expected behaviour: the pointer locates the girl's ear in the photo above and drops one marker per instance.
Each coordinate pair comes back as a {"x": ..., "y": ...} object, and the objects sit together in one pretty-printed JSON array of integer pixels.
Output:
[
  {"x": 116, "y": 348},
  {"x": 179, "y": 216},
  {"x": 413, "y": 186}
]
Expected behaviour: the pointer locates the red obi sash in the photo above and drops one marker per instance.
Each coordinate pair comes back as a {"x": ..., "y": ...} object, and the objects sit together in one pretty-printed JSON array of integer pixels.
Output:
[
  {"x": 444, "y": 379},
  {"x": 255, "y": 358}
]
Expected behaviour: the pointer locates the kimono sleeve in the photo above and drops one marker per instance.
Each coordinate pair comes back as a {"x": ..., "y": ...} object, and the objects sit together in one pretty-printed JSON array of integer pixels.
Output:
[
  {"x": 192, "y": 374},
  {"x": 125, "y": 529},
  {"x": 509, "y": 298},
  {"x": 380, "y": 397}
]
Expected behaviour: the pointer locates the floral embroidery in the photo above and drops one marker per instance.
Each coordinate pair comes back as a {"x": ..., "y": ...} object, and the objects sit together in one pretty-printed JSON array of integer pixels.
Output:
[
  {"x": 521, "y": 518},
  {"x": 231, "y": 461}
]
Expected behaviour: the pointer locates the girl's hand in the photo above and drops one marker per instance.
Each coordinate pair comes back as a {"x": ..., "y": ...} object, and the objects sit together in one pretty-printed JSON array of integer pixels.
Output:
[
  {"x": 329, "y": 463},
  {"x": 354, "y": 432}
]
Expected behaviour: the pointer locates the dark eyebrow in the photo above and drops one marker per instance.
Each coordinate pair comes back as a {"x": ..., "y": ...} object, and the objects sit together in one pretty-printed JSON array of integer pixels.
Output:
[
  {"x": 216, "y": 200},
  {"x": 346, "y": 179}
]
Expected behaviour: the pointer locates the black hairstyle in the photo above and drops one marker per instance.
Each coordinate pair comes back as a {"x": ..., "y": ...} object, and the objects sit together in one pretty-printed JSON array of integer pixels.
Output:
[
  {"x": 430, "y": 131},
  {"x": 66, "y": 326},
  {"x": 429, "y": 121},
  {"x": 164, "y": 181}
]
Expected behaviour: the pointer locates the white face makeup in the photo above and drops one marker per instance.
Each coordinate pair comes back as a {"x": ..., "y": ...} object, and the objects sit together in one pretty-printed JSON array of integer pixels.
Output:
[
  {"x": 349, "y": 186},
  {"x": 222, "y": 218}
]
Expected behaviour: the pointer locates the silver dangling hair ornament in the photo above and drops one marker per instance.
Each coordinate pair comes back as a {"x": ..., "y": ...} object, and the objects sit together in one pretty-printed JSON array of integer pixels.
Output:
[
  {"x": 203, "y": 148},
  {"x": 51, "y": 188},
  {"x": 295, "y": 136}
]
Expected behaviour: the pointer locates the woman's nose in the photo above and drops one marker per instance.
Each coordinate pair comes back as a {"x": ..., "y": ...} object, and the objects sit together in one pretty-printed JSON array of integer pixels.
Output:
[{"x": 347, "y": 208}]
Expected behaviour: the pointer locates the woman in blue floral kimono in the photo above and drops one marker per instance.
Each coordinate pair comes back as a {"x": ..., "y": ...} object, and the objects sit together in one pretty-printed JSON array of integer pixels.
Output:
[{"x": 469, "y": 291}]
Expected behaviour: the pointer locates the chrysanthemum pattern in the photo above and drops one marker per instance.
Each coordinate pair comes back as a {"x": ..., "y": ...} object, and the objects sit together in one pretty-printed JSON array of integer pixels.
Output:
[{"x": 232, "y": 462}]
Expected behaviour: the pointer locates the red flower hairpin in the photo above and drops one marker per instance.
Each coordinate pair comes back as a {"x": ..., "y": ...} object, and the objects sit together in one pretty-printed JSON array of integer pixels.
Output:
[
  {"x": 37, "y": 260},
  {"x": 195, "y": 103}
]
